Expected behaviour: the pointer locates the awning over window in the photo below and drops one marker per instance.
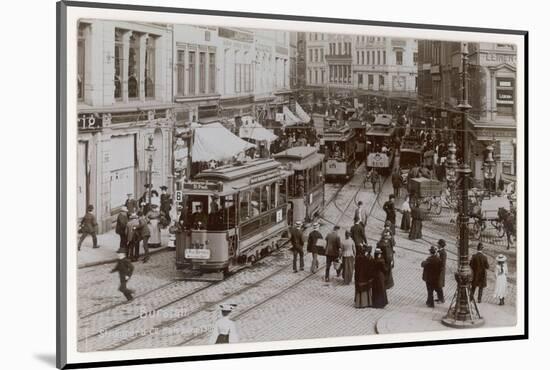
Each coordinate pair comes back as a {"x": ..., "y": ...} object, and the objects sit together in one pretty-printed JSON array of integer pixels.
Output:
[
  {"x": 302, "y": 114},
  {"x": 215, "y": 142},
  {"x": 289, "y": 119},
  {"x": 256, "y": 132}
]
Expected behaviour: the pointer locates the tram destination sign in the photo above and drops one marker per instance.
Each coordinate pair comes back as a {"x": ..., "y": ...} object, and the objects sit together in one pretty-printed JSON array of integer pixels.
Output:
[
  {"x": 260, "y": 178},
  {"x": 197, "y": 254},
  {"x": 209, "y": 186}
]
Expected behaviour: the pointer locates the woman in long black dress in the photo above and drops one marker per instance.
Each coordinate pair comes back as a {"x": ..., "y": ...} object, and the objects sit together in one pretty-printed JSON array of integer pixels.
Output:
[
  {"x": 386, "y": 250},
  {"x": 364, "y": 267},
  {"x": 379, "y": 296},
  {"x": 416, "y": 226},
  {"x": 406, "y": 211}
]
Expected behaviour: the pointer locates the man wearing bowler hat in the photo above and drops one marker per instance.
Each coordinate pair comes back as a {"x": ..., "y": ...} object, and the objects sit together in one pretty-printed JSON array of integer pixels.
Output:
[
  {"x": 120, "y": 229},
  {"x": 430, "y": 274}
]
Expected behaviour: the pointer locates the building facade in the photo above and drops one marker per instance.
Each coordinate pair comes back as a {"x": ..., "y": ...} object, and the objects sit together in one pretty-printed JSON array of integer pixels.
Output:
[
  {"x": 491, "y": 77},
  {"x": 382, "y": 65},
  {"x": 125, "y": 107},
  {"x": 387, "y": 65}
]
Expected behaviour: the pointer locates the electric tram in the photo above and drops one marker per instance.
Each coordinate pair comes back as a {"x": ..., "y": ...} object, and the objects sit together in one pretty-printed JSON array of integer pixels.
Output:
[
  {"x": 380, "y": 144},
  {"x": 306, "y": 190},
  {"x": 338, "y": 145},
  {"x": 233, "y": 214}
]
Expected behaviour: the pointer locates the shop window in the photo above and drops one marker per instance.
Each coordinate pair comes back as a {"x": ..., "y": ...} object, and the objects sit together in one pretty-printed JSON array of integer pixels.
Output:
[{"x": 505, "y": 92}]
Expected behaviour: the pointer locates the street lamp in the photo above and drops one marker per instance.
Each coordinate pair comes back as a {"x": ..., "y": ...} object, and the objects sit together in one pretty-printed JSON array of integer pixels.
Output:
[
  {"x": 451, "y": 163},
  {"x": 151, "y": 150},
  {"x": 489, "y": 168},
  {"x": 463, "y": 311}
]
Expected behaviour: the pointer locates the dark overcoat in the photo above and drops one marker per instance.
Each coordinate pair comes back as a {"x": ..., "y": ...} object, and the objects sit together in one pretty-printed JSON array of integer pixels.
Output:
[
  {"x": 312, "y": 241},
  {"x": 443, "y": 257},
  {"x": 432, "y": 270},
  {"x": 124, "y": 268},
  {"x": 334, "y": 244},
  {"x": 358, "y": 234},
  {"x": 479, "y": 266},
  {"x": 297, "y": 239}
]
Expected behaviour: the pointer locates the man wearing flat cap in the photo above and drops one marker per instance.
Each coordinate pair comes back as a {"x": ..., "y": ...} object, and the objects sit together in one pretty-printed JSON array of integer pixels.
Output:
[
  {"x": 431, "y": 274},
  {"x": 442, "y": 254}
]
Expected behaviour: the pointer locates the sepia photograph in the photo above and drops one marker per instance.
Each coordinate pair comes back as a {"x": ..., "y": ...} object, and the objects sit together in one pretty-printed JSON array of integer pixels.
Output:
[{"x": 235, "y": 182}]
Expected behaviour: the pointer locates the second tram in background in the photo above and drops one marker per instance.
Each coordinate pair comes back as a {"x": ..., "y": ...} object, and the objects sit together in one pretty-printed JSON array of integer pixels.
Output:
[
  {"x": 380, "y": 144},
  {"x": 306, "y": 190},
  {"x": 338, "y": 146}
]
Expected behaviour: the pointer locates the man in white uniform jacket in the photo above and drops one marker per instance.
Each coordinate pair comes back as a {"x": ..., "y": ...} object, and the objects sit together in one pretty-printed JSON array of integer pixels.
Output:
[{"x": 225, "y": 330}]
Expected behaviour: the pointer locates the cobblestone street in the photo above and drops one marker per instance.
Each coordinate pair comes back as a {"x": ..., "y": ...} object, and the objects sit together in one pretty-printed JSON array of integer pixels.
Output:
[{"x": 272, "y": 302}]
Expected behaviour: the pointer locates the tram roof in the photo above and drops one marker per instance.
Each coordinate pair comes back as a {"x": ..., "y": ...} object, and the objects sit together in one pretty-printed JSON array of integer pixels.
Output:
[
  {"x": 380, "y": 131},
  {"x": 233, "y": 178},
  {"x": 383, "y": 119},
  {"x": 301, "y": 157}
]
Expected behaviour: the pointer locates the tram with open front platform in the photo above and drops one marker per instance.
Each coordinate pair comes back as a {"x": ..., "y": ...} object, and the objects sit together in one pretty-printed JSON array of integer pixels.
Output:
[
  {"x": 380, "y": 144},
  {"x": 233, "y": 214},
  {"x": 306, "y": 190},
  {"x": 338, "y": 146}
]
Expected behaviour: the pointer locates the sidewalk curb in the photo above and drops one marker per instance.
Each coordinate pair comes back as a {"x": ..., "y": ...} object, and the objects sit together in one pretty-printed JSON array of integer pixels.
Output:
[{"x": 104, "y": 262}]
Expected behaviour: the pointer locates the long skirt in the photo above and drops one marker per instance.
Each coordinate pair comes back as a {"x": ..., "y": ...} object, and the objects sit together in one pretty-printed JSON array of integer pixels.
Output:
[
  {"x": 388, "y": 277},
  {"x": 154, "y": 227},
  {"x": 501, "y": 286},
  {"x": 416, "y": 229},
  {"x": 379, "y": 296},
  {"x": 406, "y": 221},
  {"x": 363, "y": 298},
  {"x": 348, "y": 265}
]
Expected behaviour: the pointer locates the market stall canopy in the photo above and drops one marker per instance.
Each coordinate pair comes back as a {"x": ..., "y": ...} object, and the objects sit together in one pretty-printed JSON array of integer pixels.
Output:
[
  {"x": 215, "y": 142},
  {"x": 289, "y": 119},
  {"x": 257, "y": 132},
  {"x": 302, "y": 113}
]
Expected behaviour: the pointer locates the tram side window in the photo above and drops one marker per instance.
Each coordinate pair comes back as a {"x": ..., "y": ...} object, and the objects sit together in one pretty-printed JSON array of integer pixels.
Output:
[
  {"x": 255, "y": 202},
  {"x": 264, "y": 203},
  {"x": 282, "y": 192},
  {"x": 300, "y": 183},
  {"x": 273, "y": 195},
  {"x": 245, "y": 205}
]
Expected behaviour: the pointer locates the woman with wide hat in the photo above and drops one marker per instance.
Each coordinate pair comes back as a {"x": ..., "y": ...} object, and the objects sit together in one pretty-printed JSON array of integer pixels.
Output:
[
  {"x": 501, "y": 274},
  {"x": 225, "y": 330}
]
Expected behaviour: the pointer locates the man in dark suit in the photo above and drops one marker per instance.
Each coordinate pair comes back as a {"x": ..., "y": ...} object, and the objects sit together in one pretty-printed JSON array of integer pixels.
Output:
[
  {"x": 334, "y": 246},
  {"x": 442, "y": 254},
  {"x": 125, "y": 270},
  {"x": 145, "y": 234},
  {"x": 297, "y": 241},
  {"x": 88, "y": 226},
  {"x": 396, "y": 181},
  {"x": 389, "y": 208},
  {"x": 431, "y": 273},
  {"x": 479, "y": 266},
  {"x": 121, "y": 222}
]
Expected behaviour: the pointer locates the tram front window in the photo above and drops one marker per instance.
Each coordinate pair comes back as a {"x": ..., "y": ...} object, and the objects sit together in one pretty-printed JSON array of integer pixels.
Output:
[{"x": 336, "y": 150}]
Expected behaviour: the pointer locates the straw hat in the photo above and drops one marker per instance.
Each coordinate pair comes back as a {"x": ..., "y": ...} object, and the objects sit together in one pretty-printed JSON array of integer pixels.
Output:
[
  {"x": 501, "y": 258},
  {"x": 227, "y": 307},
  {"x": 315, "y": 226}
]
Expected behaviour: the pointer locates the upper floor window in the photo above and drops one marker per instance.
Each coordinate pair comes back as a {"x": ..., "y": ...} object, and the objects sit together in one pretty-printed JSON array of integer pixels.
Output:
[
  {"x": 316, "y": 55},
  {"x": 81, "y": 61},
  {"x": 202, "y": 73},
  {"x": 192, "y": 70},
  {"x": 150, "y": 67},
  {"x": 399, "y": 58},
  {"x": 384, "y": 57},
  {"x": 212, "y": 72},
  {"x": 180, "y": 67},
  {"x": 415, "y": 58},
  {"x": 118, "y": 64},
  {"x": 133, "y": 67}
]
